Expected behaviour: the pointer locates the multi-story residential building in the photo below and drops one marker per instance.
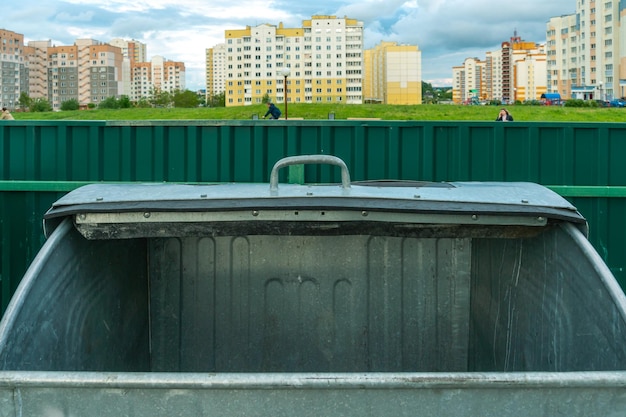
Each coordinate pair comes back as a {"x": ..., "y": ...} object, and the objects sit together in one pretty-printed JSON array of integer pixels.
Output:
[
  {"x": 322, "y": 62},
  {"x": 528, "y": 67},
  {"x": 561, "y": 52},
  {"x": 134, "y": 50},
  {"x": 13, "y": 69},
  {"x": 467, "y": 81},
  {"x": 159, "y": 74},
  {"x": 393, "y": 74},
  {"x": 88, "y": 71},
  {"x": 215, "y": 70},
  {"x": 587, "y": 51},
  {"x": 515, "y": 72},
  {"x": 598, "y": 57},
  {"x": 493, "y": 74},
  {"x": 37, "y": 61}
]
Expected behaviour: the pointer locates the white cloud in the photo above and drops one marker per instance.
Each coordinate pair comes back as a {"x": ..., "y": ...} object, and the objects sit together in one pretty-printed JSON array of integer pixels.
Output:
[{"x": 447, "y": 31}]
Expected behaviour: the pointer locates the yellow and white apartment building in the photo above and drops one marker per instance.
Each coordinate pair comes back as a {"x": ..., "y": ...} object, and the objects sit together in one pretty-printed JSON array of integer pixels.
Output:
[
  {"x": 587, "y": 51},
  {"x": 321, "y": 62},
  {"x": 392, "y": 74}
]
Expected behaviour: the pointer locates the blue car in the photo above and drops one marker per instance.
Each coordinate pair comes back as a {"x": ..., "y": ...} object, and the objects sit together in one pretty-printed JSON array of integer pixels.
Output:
[{"x": 618, "y": 103}]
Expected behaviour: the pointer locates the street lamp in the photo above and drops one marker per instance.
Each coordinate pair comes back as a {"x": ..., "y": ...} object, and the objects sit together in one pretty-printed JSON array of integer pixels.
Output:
[
  {"x": 600, "y": 84},
  {"x": 285, "y": 73}
]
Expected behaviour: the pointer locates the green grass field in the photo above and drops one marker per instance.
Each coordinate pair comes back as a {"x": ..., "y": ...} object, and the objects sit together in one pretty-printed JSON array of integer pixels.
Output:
[{"x": 342, "y": 111}]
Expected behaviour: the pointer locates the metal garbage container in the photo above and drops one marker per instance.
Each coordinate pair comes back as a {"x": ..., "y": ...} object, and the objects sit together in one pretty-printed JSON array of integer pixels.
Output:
[{"x": 359, "y": 298}]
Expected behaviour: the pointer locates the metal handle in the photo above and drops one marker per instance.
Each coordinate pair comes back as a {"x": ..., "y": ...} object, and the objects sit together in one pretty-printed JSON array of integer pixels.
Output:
[{"x": 310, "y": 159}]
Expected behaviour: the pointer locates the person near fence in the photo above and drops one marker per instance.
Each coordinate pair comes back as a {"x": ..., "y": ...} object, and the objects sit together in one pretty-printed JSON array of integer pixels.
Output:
[
  {"x": 272, "y": 111},
  {"x": 504, "y": 116},
  {"x": 6, "y": 114}
]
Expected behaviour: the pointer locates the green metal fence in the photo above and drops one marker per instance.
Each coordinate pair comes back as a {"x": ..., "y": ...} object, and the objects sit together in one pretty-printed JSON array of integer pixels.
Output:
[{"x": 41, "y": 160}]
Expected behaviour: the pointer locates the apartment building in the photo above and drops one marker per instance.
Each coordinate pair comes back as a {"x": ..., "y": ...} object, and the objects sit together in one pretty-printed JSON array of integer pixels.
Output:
[
  {"x": 215, "y": 70},
  {"x": 493, "y": 74},
  {"x": 36, "y": 53},
  {"x": 562, "y": 52},
  {"x": 528, "y": 69},
  {"x": 392, "y": 74},
  {"x": 468, "y": 81},
  {"x": 160, "y": 74},
  {"x": 321, "y": 62},
  {"x": 13, "y": 68},
  {"x": 588, "y": 51},
  {"x": 88, "y": 71},
  {"x": 515, "y": 72},
  {"x": 134, "y": 50}
]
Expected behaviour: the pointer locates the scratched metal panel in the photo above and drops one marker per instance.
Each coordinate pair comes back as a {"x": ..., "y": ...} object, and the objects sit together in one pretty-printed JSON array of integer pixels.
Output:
[
  {"x": 312, "y": 395},
  {"x": 540, "y": 304},
  {"x": 309, "y": 303},
  {"x": 82, "y": 306}
]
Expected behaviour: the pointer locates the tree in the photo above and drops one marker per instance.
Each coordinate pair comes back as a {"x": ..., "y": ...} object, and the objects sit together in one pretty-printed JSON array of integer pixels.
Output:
[
  {"x": 217, "y": 100},
  {"x": 40, "y": 105},
  {"x": 186, "y": 99},
  {"x": 24, "y": 100},
  {"x": 160, "y": 98},
  {"x": 71, "y": 104}
]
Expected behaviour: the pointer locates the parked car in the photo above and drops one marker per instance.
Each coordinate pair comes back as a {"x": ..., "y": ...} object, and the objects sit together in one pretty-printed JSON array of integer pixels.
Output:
[{"x": 618, "y": 102}]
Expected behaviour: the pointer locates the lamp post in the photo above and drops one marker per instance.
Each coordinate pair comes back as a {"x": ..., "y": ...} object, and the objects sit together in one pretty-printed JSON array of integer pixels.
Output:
[
  {"x": 600, "y": 84},
  {"x": 285, "y": 73}
]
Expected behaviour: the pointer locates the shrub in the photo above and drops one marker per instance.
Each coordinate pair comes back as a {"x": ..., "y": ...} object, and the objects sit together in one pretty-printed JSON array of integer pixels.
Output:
[
  {"x": 124, "y": 102},
  {"x": 71, "y": 104},
  {"x": 109, "y": 103},
  {"x": 40, "y": 105},
  {"x": 575, "y": 103}
]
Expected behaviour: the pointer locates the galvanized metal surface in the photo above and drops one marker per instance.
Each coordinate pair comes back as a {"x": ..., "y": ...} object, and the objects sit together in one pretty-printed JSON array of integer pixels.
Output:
[
  {"x": 309, "y": 320},
  {"x": 62, "y": 154},
  {"x": 285, "y": 395},
  {"x": 457, "y": 194},
  {"x": 311, "y": 298}
]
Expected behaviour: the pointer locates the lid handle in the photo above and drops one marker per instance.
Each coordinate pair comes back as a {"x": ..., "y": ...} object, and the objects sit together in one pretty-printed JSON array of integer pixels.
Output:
[{"x": 310, "y": 159}]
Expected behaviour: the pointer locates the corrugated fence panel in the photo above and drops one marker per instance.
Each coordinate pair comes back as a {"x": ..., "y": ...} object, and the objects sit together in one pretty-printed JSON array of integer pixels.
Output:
[{"x": 53, "y": 156}]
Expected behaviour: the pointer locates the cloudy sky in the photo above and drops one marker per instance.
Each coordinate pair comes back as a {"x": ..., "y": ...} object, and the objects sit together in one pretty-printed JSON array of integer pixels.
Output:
[{"x": 446, "y": 31}]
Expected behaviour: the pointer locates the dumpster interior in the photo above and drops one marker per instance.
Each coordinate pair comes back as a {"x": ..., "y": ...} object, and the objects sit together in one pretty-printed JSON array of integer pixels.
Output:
[{"x": 315, "y": 300}]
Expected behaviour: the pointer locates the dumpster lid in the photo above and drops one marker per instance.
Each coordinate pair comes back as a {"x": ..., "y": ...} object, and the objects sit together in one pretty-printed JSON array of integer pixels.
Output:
[
  {"x": 487, "y": 203},
  {"x": 459, "y": 197}
]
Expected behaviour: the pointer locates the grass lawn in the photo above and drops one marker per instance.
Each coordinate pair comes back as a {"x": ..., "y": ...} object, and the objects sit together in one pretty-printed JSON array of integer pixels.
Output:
[{"x": 343, "y": 111}]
